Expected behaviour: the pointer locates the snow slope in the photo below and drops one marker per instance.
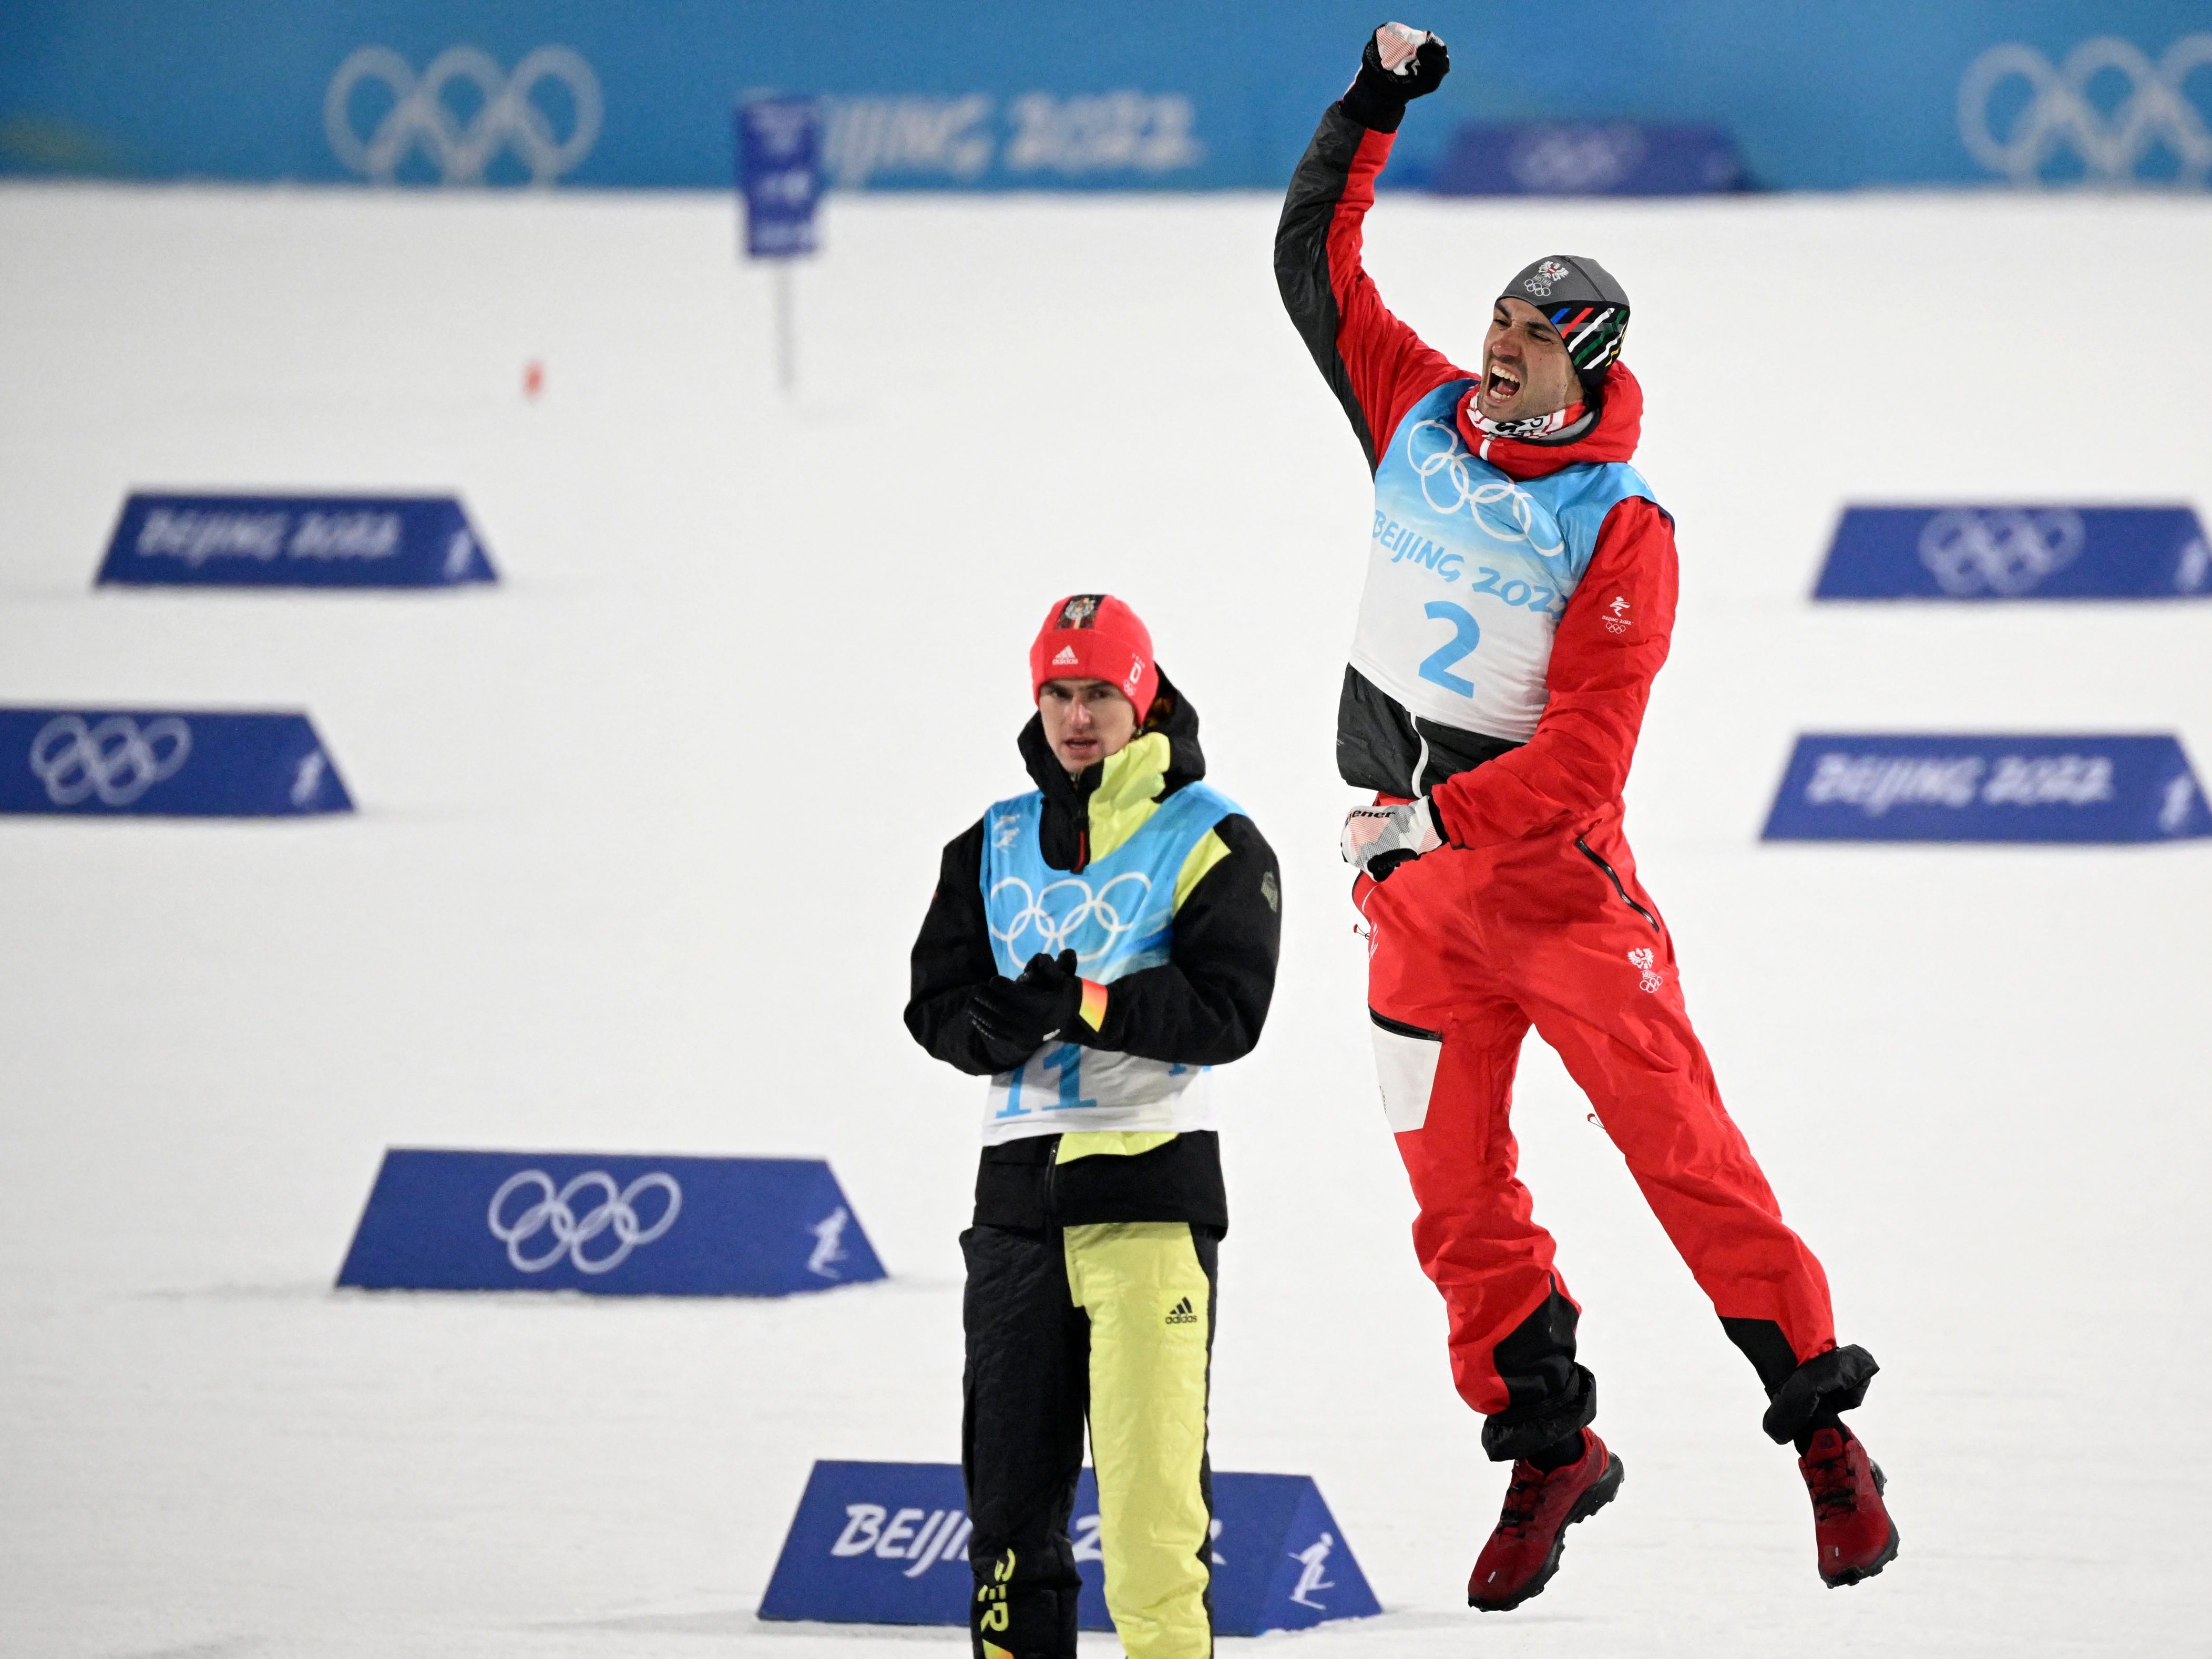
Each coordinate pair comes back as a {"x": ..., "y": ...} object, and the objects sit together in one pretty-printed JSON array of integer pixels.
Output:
[{"x": 647, "y": 829}]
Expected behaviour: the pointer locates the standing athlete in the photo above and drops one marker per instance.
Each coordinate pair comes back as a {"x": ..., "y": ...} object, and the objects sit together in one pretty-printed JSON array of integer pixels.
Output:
[
  {"x": 1092, "y": 947},
  {"x": 1519, "y": 593}
]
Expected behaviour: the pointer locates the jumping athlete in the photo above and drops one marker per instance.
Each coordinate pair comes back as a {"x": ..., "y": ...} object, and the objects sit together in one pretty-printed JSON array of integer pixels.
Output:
[
  {"x": 1093, "y": 946},
  {"x": 1519, "y": 593}
]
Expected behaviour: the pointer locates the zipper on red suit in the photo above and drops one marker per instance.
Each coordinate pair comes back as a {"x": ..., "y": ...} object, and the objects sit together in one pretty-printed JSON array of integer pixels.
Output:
[{"x": 1614, "y": 875}]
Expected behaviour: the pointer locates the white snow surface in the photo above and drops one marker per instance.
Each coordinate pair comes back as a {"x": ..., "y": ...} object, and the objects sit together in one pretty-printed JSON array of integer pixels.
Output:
[{"x": 646, "y": 832}]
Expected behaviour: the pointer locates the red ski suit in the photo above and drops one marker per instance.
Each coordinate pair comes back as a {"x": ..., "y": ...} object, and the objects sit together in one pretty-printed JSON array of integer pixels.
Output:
[{"x": 1532, "y": 914}]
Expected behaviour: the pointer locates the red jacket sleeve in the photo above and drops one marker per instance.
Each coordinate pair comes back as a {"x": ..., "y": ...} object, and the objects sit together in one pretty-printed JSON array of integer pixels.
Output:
[
  {"x": 1609, "y": 644},
  {"x": 1378, "y": 367}
]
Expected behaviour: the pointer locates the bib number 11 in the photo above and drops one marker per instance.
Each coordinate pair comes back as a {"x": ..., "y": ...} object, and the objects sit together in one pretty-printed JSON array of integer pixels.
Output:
[
  {"x": 1067, "y": 1060},
  {"x": 1466, "y": 633}
]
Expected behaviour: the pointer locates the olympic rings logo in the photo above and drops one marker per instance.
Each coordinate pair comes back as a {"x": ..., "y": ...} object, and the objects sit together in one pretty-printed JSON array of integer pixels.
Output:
[
  {"x": 1449, "y": 463},
  {"x": 1572, "y": 160},
  {"x": 2060, "y": 116},
  {"x": 2007, "y": 551},
  {"x": 116, "y": 761},
  {"x": 554, "y": 1214},
  {"x": 1057, "y": 927},
  {"x": 420, "y": 118}
]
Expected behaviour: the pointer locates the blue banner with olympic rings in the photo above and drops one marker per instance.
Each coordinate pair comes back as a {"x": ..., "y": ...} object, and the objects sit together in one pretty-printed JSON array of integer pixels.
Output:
[
  {"x": 2017, "y": 552},
  {"x": 166, "y": 762},
  {"x": 439, "y": 1220}
]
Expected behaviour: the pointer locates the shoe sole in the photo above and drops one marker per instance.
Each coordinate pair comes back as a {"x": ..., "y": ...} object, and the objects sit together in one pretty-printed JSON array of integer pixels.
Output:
[
  {"x": 1852, "y": 1576},
  {"x": 1602, "y": 1491}
]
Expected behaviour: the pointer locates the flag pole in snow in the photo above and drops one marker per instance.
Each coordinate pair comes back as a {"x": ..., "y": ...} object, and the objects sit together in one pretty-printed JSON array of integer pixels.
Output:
[
  {"x": 780, "y": 179},
  {"x": 786, "y": 343}
]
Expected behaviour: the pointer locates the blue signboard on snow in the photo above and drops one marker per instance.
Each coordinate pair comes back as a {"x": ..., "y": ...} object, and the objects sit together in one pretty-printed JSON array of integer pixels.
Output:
[
  {"x": 1609, "y": 158},
  {"x": 294, "y": 541},
  {"x": 109, "y": 763},
  {"x": 887, "y": 1543},
  {"x": 779, "y": 172},
  {"x": 613, "y": 1226},
  {"x": 2097, "y": 788},
  {"x": 2017, "y": 552}
]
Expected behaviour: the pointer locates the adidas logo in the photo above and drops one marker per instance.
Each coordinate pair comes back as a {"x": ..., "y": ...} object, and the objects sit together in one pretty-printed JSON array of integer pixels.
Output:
[
  {"x": 1180, "y": 1314},
  {"x": 1066, "y": 655}
]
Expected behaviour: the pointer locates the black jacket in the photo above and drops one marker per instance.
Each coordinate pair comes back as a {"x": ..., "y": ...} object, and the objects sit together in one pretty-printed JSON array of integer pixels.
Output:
[{"x": 1204, "y": 1006}]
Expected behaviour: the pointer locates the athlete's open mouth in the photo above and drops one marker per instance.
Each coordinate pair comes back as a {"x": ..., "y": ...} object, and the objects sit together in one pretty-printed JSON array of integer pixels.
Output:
[{"x": 1503, "y": 385}]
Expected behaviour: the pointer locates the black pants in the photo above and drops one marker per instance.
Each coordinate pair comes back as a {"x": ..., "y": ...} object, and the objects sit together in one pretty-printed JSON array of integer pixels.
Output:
[{"x": 1113, "y": 1322}]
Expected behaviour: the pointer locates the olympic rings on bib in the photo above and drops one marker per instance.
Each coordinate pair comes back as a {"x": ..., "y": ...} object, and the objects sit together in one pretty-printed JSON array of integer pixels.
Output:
[
  {"x": 555, "y": 1215},
  {"x": 1057, "y": 927},
  {"x": 1443, "y": 458}
]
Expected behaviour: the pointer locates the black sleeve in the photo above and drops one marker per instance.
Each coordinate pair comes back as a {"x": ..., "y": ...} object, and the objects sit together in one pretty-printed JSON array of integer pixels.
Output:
[
  {"x": 1205, "y": 1004},
  {"x": 1302, "y": 273},
  {"x": 951, "y": 958}
]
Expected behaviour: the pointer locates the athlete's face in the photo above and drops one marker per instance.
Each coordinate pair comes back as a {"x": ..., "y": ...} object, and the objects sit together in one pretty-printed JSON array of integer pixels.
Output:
[
  {"x": 1525, "y": 367},
  {"x": 1085, "y": 722}
]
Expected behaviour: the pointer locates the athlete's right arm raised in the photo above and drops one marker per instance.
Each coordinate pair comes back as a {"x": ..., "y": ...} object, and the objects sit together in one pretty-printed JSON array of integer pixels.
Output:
[{"x": 1378, "y": 367}]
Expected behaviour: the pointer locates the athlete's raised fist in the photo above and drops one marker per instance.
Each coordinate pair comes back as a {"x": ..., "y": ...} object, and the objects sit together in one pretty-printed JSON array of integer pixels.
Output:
[
  {"x": 1396, "y": 45},
  {"x": 1400, "y": 63}
]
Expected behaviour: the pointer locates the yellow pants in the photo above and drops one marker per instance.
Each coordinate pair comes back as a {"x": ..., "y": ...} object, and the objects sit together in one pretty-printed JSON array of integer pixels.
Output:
[
  {"x": 1112, "y": 1321},
  {"x": 1148, "y": 1299}
]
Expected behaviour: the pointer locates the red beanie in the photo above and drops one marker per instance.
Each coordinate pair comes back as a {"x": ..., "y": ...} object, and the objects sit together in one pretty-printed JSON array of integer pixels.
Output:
[{"x": 1094, "y": 636}]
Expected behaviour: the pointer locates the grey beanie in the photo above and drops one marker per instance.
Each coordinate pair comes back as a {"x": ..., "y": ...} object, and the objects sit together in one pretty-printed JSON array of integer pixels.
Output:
[{"x": 1580, "y": 298}]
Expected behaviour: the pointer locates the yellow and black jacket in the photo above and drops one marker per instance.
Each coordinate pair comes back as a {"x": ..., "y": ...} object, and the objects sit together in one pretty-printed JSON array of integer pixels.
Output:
[{"x": 1204, "y": 1006}]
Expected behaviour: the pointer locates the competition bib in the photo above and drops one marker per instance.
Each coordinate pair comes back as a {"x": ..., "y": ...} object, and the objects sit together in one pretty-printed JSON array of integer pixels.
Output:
[
  {"x": 1470, "y": 572},
  {"x": 1118, "y": 916}
]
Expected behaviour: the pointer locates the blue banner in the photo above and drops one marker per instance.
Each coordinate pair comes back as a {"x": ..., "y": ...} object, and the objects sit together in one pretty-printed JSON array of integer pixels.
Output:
[
  {"x": 112, "y": 762},
  {"x": 294, "y": 541},
  {"x": 886, "y": 1544},
  {"x": 1620, "y": 158},
  {"x": 779, "y": 174},
  {"x": 2017, "y": 552},
  {"x": 612, "y": 1226},
  {"x": 1895, "y": 787},
  {"x": 1051, "y": 94}
]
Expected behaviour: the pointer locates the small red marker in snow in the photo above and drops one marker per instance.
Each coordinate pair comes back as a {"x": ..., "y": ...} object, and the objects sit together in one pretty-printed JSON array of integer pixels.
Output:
[{"x": 533, "y": 379}]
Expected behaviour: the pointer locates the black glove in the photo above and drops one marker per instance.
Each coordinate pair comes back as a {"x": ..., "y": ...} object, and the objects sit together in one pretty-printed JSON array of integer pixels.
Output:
[
  {"x": 1377, "y": 98},
  {"x": 1015, "y": 1018}
]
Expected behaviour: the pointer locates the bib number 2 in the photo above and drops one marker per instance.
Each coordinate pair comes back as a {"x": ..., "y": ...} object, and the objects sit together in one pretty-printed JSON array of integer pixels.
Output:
[{"x": 1466, "y": 633}]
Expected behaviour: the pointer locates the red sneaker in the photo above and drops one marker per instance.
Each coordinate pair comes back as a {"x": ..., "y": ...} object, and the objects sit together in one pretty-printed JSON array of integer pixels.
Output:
[
  {"x": 1523, "y": 1553},
  {"x": 1850, "y": 1523}
]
